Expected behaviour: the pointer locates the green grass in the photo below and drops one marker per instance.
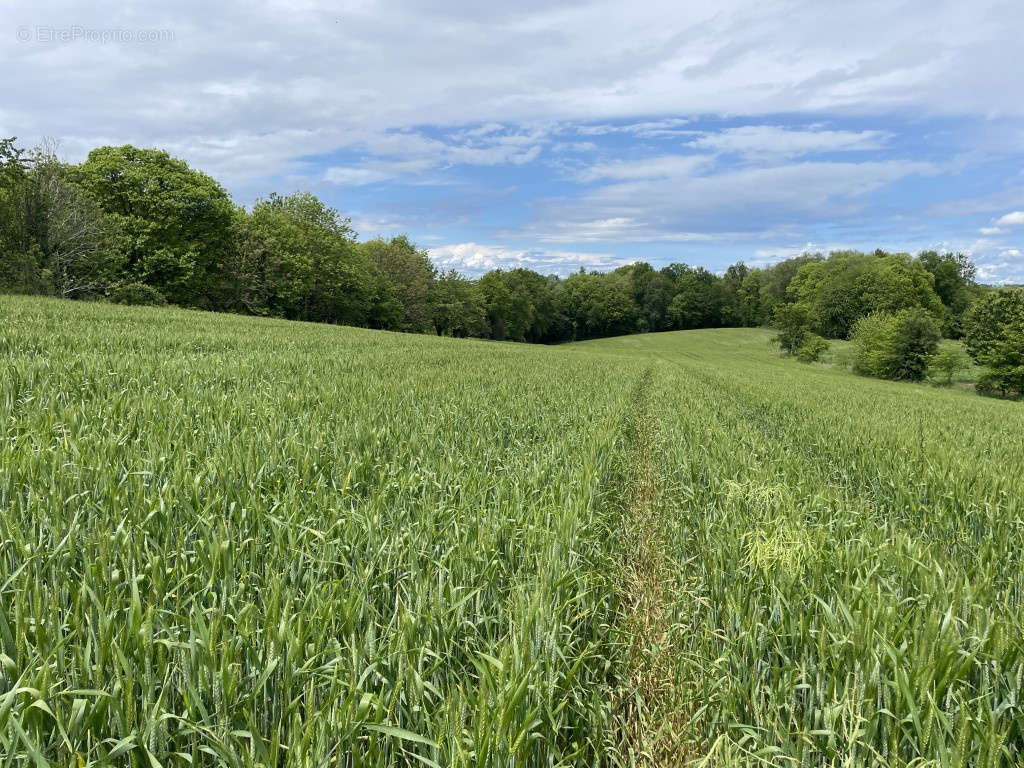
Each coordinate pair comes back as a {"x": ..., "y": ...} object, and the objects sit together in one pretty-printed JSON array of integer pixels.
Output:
[{"x": 231, "y": 541}]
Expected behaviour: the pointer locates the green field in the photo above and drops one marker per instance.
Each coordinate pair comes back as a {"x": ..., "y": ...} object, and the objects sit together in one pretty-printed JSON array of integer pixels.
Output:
[{"x": 234, "y": 541}]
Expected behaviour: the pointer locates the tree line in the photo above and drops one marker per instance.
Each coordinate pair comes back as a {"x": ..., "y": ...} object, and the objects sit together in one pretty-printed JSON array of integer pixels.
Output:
[{"x": 139, "y": 226}]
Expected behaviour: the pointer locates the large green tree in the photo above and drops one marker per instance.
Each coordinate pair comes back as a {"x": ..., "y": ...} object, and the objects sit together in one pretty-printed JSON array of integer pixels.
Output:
[
  {"x": 895, "y": 345},
  {"x": 520, "y": 304},
  {"x": 458, "y": 305},
  {"x": 298, "y": 259},
  {"x": 411, "y": 273},
  {"x": 172, "y": 224},
  {"x": 774, "y": 284},
  {"x": 19, "y": 268},
  {"x": 894, "y": 281},
  {"x": 953, "y": 275},
  {"x": 599, "y": 304},
  {"x": 734, "y": 310},
  {"x": 792, "y": 324},
  {"x": 652, "y": 292},
  {"x": 836, "y": 292},
  {"x": 828, "y": 290},
  {"x": 697, "y": 298}
]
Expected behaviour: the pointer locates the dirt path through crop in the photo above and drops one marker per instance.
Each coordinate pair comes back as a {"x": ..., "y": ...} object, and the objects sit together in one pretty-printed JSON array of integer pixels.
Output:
[{"x": 649, "y": 719}]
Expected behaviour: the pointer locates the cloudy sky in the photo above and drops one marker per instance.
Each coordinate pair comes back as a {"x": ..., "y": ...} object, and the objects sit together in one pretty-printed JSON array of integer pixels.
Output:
[{"x": 561, "y": 135}]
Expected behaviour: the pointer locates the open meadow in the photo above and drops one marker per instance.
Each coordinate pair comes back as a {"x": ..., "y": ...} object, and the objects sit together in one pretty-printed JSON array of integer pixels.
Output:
[{"x": 249, "y": 542}]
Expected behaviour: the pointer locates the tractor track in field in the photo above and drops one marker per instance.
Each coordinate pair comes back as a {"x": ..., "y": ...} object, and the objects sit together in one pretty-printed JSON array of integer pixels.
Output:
[{"x": 648, "y": 719}]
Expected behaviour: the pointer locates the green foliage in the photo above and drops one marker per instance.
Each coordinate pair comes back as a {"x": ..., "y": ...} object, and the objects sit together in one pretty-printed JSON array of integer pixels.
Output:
[
  {"x": 652, "y": 292},
  {"x": 812, "y": 349},
  {"x": 827, "y": 292},
  {"x": 411, "y": 273},
  {"x": 948, "y": 362},
  {"x": 298, "y": 259},
  {"x": 134, "y": 293},
  {"x": 697, "y": 301},
  {"x": 171, "y": 224},
  {"x": 953, "y": 275},
  {"x": 775, "y": 281},
  {"x": 600, "y": 305},
  {"x": 848, "y": 285},
  {"x": 895, "y": 281},
  {"x": 994, "y": 337},
  {"x": 129, "y": 215},
  {"x": 458, "y": 306},
  {"x": 520, "y": 305},
  {"x": 896, "y": 345},
  {"x": 18, "y": 267},
  {"x": 792, "y": 322},
  {"x": 736, "y": 309}
]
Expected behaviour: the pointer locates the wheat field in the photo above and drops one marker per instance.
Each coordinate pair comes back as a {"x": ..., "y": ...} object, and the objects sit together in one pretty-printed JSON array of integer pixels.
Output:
[{"x": 234, "y": 541}]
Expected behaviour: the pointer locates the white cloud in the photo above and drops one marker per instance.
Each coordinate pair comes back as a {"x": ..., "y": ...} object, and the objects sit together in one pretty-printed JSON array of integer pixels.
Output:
[
  {"x": 647, "y": 129},
  {"x": 622, "y": 229},
  {"x": 764, "y": 257},
  {"x": 352, "y": 177},
  {"x": 676, "y": 200},
  {"x": 416, "y": 154},
  {"x": 992, "y": 231},
  {"x": 1013, "y": 219},
  {"x": 282, "y": 82},
  {"x": 475, "y": 259},
  {"x": 1001, "y": 266},
  {"x": 663, "y": 167},
  {"x": 786, "y": 142}
]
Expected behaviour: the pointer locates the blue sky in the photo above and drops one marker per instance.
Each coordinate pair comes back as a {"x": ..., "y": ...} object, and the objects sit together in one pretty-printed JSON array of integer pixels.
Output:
[{"x": 589, "y": 134}]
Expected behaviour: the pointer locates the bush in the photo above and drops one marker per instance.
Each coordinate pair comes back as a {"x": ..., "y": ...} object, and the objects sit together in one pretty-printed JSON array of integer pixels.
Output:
[
  {"x": 895, "y": 345},
  {"x": 871, "y": 337},
  {"x": 792, "y": 323},
  {"x": 995, "y": 384},
  {"x": 947, "y": 363},
  {"x": 135, "y": 293},
  {"x": 812, "y": 349}
]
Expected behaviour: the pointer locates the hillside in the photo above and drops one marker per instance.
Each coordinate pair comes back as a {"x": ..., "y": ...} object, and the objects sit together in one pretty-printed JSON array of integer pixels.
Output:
[{"x": 239, "y": 541}]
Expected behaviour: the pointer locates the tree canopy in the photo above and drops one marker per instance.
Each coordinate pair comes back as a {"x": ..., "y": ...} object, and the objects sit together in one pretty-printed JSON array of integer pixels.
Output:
[
  {"x": 171, "y": 225},
  {"x": 138, "y": 225}
]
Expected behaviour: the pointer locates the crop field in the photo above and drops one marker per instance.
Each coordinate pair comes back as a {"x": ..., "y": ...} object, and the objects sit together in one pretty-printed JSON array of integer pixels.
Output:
[{"x": 229, "y": 541}]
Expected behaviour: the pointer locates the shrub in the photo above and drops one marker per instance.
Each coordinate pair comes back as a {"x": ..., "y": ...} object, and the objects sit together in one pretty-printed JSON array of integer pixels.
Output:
[
  {"x": 895, "y": 345},
  {"x": 871, "y": 337},
  {"x": 792, "y": 324},
  {"x": 948, "y": 362},
  {"x": 812, "y": 349},
  {"x": 996, "y": 384},
  {"x": 135, "y": 293}
]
